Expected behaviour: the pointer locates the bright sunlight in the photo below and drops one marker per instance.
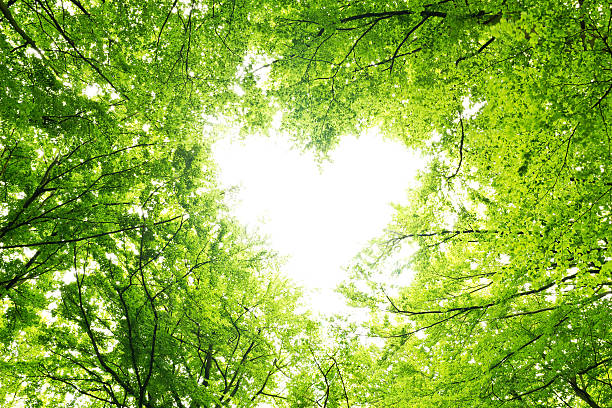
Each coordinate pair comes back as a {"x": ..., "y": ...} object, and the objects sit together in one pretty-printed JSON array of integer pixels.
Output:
[{"x": 317, "y": 216}]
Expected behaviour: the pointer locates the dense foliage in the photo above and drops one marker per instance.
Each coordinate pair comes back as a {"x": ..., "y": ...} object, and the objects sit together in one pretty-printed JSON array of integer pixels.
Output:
[
  {"x": 510, "y": 300},
  {"x": 124, "y": 282}
]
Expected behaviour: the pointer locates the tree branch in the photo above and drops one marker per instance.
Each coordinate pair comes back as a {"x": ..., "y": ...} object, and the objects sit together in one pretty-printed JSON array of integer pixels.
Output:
[{"x": 460, "y": 150}]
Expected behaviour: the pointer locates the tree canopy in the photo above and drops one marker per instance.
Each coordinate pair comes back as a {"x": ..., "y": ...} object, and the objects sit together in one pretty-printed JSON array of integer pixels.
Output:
[{"x": 125, "y": 281}]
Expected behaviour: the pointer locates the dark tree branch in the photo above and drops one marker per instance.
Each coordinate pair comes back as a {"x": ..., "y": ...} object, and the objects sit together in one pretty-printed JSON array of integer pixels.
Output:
[
  {"x": 389, "y": 14},
  {"x": 87, "y": 325},
  {"x": 399, "y": 47},
  {"x": 602, "y": 97},
  {"x": 4, "y": 8},
  {"x": 63, "y": 33},
  {"x": 80, "y": 7},
  {"x": 582, "y": 393},
  {"x": 519, "y": 397},
  {"x": 346, "y": 398},
  {"x": 481, "y": 49},
  {"x": 460, "y": 150},
  {"x": 161, "y": 30},
  {"x": 68, "y": 241}
]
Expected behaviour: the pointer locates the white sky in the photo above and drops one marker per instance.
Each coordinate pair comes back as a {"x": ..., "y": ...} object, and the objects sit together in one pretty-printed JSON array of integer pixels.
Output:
[{"x": 318, "y": 216}]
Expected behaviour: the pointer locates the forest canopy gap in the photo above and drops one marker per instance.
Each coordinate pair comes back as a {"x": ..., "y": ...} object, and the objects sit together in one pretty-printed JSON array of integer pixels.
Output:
[{"x": 125, "y": 281}]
